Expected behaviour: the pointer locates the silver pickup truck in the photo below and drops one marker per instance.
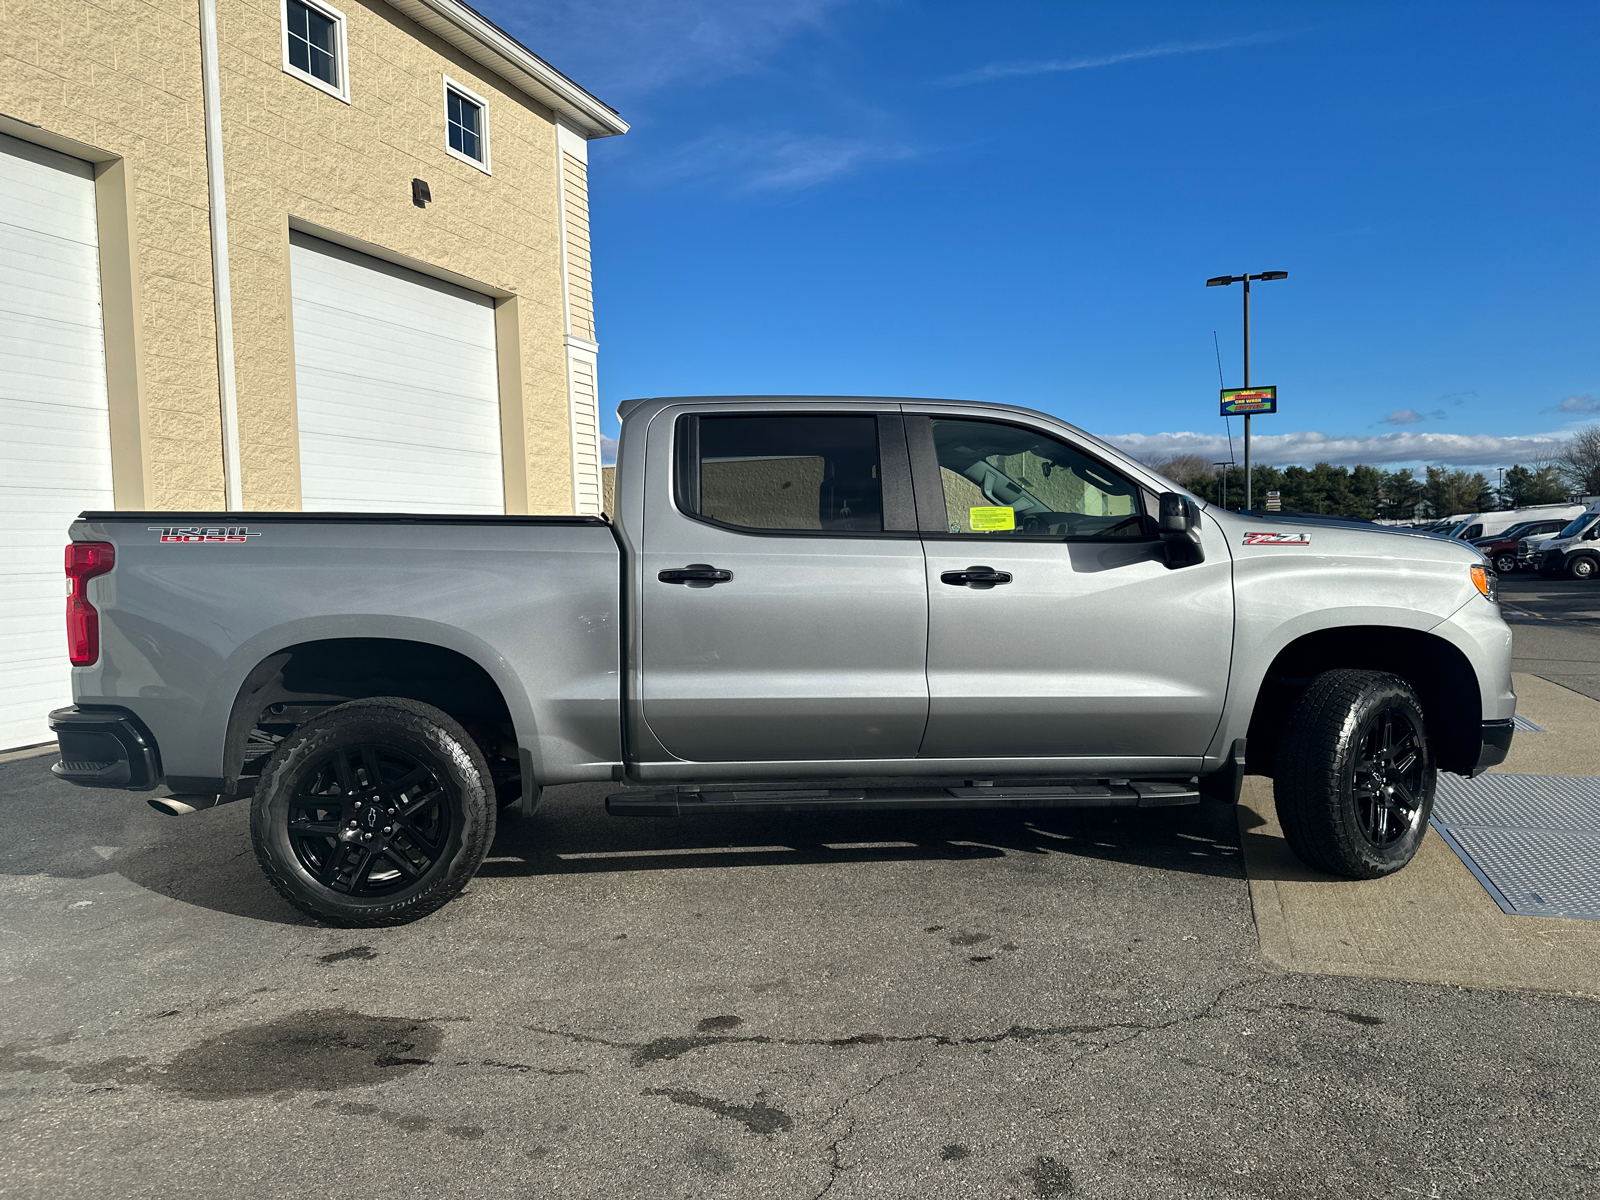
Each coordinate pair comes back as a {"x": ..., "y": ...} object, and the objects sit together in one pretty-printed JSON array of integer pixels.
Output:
[{"x": 800, "y": 603}]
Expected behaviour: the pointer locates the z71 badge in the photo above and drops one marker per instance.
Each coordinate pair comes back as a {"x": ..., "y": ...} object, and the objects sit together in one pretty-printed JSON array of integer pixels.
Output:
[
  {"x": 1277, "y": 539},
  {"x": 204, "y": 534}
]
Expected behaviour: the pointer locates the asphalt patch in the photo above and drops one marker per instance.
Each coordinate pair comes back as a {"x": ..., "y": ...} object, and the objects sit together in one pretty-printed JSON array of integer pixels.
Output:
[
  {"x": 759, "y": 1117},
  {"x": 318, "y": 1050}
]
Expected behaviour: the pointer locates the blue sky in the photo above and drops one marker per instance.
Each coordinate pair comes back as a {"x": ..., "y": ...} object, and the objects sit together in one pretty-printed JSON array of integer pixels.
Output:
[{"x": 1021, "y": 202}]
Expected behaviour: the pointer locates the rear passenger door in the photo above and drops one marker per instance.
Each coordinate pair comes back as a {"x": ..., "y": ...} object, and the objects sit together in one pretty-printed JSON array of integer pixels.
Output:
[{"x": 782, "y": 599}]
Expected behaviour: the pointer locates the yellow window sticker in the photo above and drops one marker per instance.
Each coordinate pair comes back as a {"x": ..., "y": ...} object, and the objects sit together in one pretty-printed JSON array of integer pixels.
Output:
[{"x": 991, "y": 518}]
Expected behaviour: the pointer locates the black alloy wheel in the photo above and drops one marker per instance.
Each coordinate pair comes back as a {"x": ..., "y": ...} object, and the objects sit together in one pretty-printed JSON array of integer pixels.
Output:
[
  {"x": 375, "y": 812},
  {"x": 1505, "y": 564},
  {"x": 1388, "y": 783},
  {"x": 1355, "y": 774},
  {"x": 368, "y": 819}
]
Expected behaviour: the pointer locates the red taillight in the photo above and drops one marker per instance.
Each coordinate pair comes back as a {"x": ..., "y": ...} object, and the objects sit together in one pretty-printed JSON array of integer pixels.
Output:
[{"x": 85, "y": 560}]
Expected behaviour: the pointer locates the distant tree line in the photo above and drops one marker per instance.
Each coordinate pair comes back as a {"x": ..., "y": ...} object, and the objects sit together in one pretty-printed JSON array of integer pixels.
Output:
[{"x": 1371, "y": 493}]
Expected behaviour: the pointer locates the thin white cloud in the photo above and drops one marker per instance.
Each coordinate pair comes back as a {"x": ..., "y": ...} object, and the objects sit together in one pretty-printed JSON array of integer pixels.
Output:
[
  {"x": 781, "y": 161},
  {"x": 623, "y": 49},
  {"x": 1011, "y": 70},
  {"x": 1410, "y": 416},
  {"x": 1580, "y": 405},
  {"x": 1284, "y": 449},
  {"x": 608, "y": 451}
]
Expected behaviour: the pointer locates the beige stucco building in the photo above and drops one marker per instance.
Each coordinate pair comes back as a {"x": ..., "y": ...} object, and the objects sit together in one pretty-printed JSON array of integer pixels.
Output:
[{"x": 276, "y": 254}]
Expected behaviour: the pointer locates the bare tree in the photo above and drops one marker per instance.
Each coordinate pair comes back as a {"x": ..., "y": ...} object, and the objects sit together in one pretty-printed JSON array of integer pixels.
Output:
[
  {"x": 1580, "y": 461},
  {"x": 1186, "y": 470}
]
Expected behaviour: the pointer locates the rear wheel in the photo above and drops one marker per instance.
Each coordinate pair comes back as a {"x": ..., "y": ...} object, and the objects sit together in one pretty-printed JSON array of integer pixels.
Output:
[
  {"x": 374, "y": 813},
  {"x": 1505, "y": 564},
  {"x": 1355, "y": 774},
  {"x": 1583, "y": 566}
]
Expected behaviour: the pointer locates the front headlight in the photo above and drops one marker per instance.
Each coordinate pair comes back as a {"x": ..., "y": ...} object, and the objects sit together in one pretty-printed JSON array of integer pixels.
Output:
[{"x": 1486, "y": 581}]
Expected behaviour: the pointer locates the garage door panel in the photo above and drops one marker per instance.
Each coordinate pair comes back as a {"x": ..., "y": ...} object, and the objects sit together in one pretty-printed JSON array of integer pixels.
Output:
[
  {"x": 397, "y": 387},
  {"x": 55, "y": 445}
]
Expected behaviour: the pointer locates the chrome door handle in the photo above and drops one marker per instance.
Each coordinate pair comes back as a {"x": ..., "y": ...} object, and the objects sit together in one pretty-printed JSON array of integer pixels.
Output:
[
  {"x": 696, "y": 575},
  {"x": 975, "y": 577}
]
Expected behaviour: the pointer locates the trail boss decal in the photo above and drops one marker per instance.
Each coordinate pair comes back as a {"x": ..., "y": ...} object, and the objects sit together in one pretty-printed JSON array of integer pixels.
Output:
[
  {"x": 193, "y": 534},
  {"x": 1277, "y": 539}
]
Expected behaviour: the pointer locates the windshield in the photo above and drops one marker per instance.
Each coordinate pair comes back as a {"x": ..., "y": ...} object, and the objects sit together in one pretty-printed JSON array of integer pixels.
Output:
[{"x": 1577, "y": 525}]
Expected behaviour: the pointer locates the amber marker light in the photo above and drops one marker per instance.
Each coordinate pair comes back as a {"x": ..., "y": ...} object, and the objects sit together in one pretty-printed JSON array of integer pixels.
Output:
[{"x": 1483, "y": 579}]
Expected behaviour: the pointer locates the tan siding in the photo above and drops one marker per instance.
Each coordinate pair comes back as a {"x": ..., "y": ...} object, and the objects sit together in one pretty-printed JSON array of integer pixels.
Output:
[{"x": 580, "y": 293}]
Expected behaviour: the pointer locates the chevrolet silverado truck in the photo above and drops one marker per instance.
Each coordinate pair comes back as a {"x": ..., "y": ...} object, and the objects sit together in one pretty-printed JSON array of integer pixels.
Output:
[{"x": 800, "y": 604}]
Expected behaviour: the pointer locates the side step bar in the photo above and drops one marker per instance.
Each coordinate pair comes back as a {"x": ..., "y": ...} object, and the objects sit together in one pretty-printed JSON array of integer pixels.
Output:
[{"x": 685, "y": 802}]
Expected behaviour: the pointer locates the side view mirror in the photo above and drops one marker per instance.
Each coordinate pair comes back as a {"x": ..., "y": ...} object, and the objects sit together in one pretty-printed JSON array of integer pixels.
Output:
[{"x": 1179, "y": 526}]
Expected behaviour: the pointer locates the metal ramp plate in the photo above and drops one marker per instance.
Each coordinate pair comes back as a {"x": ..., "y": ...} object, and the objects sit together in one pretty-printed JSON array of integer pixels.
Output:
[
  {"x": 1522, "y": 725},
  {"x": 1533, "y": 841}
]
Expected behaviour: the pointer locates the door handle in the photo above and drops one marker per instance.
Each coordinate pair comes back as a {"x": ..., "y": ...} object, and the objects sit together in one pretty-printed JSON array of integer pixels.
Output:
[
  {"x": 975, "y": 577},
  {"x": 696, "y": 575}
]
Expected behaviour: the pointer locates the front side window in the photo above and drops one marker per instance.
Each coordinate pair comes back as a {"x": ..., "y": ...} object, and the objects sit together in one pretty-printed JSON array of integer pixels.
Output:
[
  {"x": 466, "y": 124},
  {"x": 1004, "y": 480},
  {"x": 313, "y": 45},
  {"x": 795, "y": 473}
]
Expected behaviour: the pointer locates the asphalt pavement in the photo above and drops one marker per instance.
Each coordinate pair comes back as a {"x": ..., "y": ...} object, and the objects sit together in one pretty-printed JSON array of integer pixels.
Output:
[
  {"x": 1557, "y": 623},
  {"x": 884, "y": 1005}
]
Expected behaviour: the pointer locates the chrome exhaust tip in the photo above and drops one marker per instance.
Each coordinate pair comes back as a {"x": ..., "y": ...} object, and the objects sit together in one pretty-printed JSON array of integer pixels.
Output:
[{"x": 182, "y": 806}]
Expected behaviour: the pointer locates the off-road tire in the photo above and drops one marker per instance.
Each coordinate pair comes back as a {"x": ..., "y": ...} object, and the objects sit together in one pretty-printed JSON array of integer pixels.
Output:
[
  {"x": 1505, "y": 564},
  {"x": 1583, "y": 566},
  {"x": 464, "y": 813},
  {"x": 1320, "y": 755}
]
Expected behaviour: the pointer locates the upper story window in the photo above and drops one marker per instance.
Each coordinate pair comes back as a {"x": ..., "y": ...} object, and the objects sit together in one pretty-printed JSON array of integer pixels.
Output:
[
  {"x": 314, "y": 46},
  {"x": 466, "y": 118}
]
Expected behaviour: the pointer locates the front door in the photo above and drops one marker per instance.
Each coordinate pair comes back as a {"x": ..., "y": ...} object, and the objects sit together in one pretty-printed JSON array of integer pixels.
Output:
[
  {"x": 1056, "y": 628},
  {"x": 782, "y": 601}
]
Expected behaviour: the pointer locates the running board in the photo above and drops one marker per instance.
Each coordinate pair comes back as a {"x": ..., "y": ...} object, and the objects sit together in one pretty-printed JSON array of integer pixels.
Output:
[{"x": 685, "y": 802}]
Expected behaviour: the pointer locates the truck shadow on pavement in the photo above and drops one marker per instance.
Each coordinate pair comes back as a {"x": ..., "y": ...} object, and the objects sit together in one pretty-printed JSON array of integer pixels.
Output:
[{"x": 206, "y": 859}]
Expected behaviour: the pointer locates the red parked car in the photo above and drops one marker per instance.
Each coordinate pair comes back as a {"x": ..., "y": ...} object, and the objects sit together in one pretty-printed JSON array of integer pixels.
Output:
[{"x": 1501, "y": 550}]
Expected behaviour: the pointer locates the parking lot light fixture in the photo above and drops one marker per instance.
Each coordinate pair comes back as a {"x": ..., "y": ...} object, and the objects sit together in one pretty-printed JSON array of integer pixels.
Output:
[{"x": 1224, "y": 281}]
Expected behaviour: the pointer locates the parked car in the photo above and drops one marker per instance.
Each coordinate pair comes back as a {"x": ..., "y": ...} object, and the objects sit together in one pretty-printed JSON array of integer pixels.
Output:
[
  {"x": 1501, "y": 550},
  {"x": 801, "y": 604},
  {"x": 1575, "y": 551}
]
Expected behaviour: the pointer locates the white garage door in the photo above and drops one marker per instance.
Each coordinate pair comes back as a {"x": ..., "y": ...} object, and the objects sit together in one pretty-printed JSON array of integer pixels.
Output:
[
  {"x": 397, "y": 387},
  {"x": 55, "y": 439}
]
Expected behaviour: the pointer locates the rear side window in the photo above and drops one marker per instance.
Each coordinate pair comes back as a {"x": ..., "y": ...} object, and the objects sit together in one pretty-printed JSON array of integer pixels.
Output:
[
  {"x": 1003, "y": 480},
  {"x": 796, "y": 473}
]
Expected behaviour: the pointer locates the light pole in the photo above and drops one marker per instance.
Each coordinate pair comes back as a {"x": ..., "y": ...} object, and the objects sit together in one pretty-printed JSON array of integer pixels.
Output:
[
  {"x": 1222, "y": 483},
  {"x": 1224, "y": 281}
]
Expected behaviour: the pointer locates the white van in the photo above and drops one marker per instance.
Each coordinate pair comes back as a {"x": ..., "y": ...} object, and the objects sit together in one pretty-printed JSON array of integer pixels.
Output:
[
  {"x": 1575, "y": 551},
  {"x": 1487, "y": 524}
]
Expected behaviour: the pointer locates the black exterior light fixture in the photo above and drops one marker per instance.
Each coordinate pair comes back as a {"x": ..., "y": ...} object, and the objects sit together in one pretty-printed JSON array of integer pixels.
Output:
[
  {"x": 1224, "y": 281},
  {"x": 420, "y": 193}
]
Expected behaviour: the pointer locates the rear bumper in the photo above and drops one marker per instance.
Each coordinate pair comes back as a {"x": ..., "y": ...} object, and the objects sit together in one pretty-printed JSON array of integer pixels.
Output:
[
  {"x": 105, "y": 747},
  {"x": 1496, "y": 745}
]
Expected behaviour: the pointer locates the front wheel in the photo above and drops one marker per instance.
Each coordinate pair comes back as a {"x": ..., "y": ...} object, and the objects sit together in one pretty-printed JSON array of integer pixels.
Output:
[
  {"x": 1355, "y": 774},
  {"x": 1505, "y": 564},
  {"x": 376, "y": 812},
  {"x": 1583, "y": 566}
]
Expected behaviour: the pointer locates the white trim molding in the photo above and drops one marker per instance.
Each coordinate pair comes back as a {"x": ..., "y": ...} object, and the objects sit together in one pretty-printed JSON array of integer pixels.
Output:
[
  {"x": 342, "y": 56},
  {"x": 221, "y": 280},
  {"x": 466, "y": 93}
]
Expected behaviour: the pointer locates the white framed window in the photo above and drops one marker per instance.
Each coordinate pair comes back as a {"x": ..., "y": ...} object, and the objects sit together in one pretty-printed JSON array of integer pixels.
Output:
[
  {"x": 314, "y": 46},
  {"x": 466, "y": 125}
]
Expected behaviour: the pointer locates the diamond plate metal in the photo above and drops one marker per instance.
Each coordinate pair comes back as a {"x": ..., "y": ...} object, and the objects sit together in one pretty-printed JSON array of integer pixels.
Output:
[
  {"x": 1533, "y": 841},
  {"x": 1522, "y": 725}
]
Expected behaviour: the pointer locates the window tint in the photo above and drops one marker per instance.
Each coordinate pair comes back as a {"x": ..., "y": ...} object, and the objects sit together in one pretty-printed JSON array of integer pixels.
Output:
[
  {"x": 1001, "y": 479},
  {"x": 313, "y": 44},
  {"x": 800, "y": 473},
  {"x": 465, "y": 118}
]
